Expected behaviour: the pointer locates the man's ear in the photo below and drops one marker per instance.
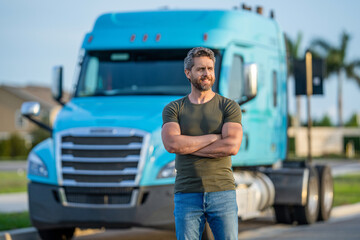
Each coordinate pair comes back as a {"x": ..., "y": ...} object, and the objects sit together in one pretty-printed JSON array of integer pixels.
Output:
[{"x": 187, "y": 74}]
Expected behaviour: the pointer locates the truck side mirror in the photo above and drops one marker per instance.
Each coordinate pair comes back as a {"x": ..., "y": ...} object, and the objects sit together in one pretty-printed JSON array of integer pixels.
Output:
[
  {"x": 56, "y": 88},
  {"x": 250, "y": 83},
  {"x": 251, "y": 78},
  {"x": 30, "y": 109}
]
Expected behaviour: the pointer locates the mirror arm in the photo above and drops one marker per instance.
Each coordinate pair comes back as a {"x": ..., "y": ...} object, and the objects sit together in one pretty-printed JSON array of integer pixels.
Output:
[
  {"x": 60, "y": 102},
  {"x": 40, "y": 124},
  {"x": 247, "y": 100},
  {"x": 57, "y": 85}
]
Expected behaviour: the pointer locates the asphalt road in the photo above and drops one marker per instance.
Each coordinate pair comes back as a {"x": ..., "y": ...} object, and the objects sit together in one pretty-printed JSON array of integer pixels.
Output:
[
  {"x": 346, "y": 228},
  {"x": 13, "y": 166},
  {"x": 344, "y": 224}
]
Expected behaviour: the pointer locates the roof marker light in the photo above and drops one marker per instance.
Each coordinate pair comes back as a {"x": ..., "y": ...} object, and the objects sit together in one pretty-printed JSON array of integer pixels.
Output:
[
  {"x": 90, "y": 39},
  {"x": 132, "y": 38},
  {"x": 145, "y": 37},
  {"x": 205, "y": 37},
  {"x": 259, "y": 10},
  {"x": 158, "y": 36}
]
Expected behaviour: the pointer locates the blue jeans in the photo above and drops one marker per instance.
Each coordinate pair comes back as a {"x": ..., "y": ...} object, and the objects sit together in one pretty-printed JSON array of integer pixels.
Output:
[{"x": 218, "y": 208}]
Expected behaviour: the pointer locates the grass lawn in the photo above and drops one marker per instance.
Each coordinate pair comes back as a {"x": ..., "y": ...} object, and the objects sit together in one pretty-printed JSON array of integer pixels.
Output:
[
  {"x": 347, "y": 189},
  {"x": 10, "y": 221},
  {"x": 11, "y": 182},
  {"x": 17, "y": 158}
]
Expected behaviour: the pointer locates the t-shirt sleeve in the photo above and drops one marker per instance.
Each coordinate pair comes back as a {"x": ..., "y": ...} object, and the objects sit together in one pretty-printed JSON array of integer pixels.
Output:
[
  {"x": 170, "y": 113},
  {"x": 232, "y": 112}
]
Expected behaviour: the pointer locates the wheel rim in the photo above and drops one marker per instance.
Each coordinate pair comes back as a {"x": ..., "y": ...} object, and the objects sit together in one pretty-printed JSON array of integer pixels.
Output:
[
  {"x": 313, "y": 199},
  {"x": 328, "y": 192}
]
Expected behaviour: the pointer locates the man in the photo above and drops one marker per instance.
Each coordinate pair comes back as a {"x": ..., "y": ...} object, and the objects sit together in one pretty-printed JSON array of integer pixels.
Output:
[{"x": 204, "y": 130}]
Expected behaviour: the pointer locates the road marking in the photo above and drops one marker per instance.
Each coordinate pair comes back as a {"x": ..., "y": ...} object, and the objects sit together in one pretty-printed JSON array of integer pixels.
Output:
[
  {"x": 8, "y": 236},
  {"x": 85, "y": 232}
]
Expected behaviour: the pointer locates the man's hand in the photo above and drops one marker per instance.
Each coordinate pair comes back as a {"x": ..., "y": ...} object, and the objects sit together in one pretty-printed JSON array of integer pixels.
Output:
[
  {"x": 174, "y": 142},
  {"x": 227, "y": 146}
]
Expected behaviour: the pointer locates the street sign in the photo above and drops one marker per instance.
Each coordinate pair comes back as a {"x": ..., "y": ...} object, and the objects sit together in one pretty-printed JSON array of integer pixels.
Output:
[{"x": 318, "y": 75}]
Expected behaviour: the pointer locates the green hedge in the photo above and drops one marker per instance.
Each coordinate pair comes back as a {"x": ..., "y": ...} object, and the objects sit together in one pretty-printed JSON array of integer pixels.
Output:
[{"x": 14, "y": 146}]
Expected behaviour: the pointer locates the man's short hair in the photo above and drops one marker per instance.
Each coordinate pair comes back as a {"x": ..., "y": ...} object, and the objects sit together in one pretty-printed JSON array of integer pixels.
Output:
[{"x": 197, "y": 52}]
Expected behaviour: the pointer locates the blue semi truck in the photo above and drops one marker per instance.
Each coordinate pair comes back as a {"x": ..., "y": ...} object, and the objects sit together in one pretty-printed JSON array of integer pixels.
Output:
[{"x": 105, "y": 165}]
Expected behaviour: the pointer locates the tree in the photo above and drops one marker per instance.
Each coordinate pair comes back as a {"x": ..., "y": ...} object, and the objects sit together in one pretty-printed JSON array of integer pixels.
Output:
[
  {"x": 38, "y": 135},
  {"x": 353, "y": 121},
  {"x": 293, "y": 53},
  {"x": 336, "y": 64},
  {"x": 293, "y": 50},
  {"x": 13, "y": 146},
  {"x": 324, "y": 122}
]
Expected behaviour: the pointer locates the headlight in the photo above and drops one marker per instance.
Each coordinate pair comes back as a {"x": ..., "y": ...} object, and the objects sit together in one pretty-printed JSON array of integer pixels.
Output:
[
  {"x": 168, "y": 171},
  {"x": 36, "y": 166}
]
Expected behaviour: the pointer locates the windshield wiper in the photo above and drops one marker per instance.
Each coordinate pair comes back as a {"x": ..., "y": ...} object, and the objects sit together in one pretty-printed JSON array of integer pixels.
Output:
[{"x": 99, "y": 94}]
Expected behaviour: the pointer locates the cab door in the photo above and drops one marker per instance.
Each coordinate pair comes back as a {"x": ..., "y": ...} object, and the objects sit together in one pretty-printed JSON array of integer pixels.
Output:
[{"x": 255, "y": 143}]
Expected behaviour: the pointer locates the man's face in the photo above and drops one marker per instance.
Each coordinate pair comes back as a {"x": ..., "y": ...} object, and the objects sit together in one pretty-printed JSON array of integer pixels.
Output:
[{"x": 202, "y": 74}]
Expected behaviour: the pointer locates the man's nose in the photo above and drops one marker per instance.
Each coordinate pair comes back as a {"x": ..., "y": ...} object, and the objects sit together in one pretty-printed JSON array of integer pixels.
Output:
[{"x": 206, "y": 72}]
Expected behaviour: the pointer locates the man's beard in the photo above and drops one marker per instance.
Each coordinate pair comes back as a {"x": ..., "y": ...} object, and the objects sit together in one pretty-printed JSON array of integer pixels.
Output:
[{"x": 199, "y": 85}]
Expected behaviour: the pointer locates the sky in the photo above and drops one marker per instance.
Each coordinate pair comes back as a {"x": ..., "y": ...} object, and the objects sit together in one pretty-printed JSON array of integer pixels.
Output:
[{"x": 37, "y": 35}]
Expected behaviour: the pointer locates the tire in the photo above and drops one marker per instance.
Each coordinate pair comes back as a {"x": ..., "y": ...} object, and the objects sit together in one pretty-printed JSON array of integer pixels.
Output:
[
  {"x": 326, "y": 192},
  {"x": 57, "y": 234},
  {"x": 207, "y": 234},
  {"x": 283, "y": 214},
  {"x": 308, "y": 214}
]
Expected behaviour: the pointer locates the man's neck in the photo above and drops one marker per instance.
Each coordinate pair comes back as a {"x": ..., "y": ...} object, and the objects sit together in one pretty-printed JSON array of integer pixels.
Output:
[{"x": 200, "y": 97}]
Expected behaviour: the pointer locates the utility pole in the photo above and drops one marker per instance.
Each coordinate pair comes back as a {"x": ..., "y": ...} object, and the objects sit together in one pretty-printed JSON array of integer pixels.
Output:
[
  {"x": 309, "y": 92},
  {"x": 304, "y": 72}
]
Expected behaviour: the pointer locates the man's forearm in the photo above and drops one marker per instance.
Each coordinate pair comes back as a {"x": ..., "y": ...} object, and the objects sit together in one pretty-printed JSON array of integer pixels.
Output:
[
  {"x": 183, "y": 144},
  {"x": 221, "y": 148}
]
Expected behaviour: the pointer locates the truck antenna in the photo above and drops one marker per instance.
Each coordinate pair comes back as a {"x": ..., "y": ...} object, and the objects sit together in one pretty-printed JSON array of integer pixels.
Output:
[
  {"x": 259, "y": 10},
  {"x": 272, "y": 14},
  {"x": 245, "y": 7}
]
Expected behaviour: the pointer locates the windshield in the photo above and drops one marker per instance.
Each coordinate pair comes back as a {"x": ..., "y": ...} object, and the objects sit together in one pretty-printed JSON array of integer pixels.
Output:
[{"x": 138, "y": 72}]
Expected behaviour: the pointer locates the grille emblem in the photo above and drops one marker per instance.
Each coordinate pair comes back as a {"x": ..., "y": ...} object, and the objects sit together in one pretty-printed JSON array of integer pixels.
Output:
[{"x": 102, "y": 131}]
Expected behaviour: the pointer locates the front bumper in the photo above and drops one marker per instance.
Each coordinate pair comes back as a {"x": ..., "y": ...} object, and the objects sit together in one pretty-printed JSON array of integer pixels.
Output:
[{"x": 153, "y": 208}]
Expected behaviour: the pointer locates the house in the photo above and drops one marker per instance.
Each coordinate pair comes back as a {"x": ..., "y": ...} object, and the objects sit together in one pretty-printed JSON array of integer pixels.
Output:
[{"x": 11, "y": 99}]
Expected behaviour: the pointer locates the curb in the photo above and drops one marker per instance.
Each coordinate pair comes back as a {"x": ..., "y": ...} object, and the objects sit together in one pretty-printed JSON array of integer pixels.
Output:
[
  {"x": 20, "y": 234},
  {"x": 345, "y": 211}
]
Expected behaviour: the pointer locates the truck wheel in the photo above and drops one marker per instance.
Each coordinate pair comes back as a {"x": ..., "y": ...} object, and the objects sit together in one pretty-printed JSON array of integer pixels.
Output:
[
  {"x": 326, "y": 192},
  {"x": 283, "y": 214},
  {"x": 57, "y": 234},
  {"x": 308, "y": 214}
]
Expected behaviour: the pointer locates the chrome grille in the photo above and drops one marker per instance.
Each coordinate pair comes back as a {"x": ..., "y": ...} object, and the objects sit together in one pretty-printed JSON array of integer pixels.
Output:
[{"x": 101, "y": 158}]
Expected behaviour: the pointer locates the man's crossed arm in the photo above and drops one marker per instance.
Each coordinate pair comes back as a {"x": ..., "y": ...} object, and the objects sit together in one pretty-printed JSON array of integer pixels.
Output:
[{"x": 211, "y": 145}]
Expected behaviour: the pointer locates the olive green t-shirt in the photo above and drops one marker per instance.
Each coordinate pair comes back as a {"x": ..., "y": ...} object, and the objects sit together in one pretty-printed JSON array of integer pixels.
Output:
[{"x": 202, "y": 174}]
